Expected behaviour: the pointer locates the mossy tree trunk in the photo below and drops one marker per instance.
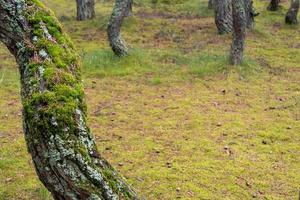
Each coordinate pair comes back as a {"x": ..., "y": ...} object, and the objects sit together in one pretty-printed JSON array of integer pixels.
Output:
[
  {"x": 274, "y": 5},
  {"x": 85, "y": 9},
  {"x": 291, "y": 15},
  {"x": 239, "y": 31},
  {"x": 223, "y": 15},
  {"x": 120, "y": 11},
  {"x": 54, "y": 115}
]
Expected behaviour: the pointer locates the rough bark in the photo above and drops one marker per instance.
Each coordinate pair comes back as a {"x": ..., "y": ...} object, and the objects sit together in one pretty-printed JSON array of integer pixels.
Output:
[
  {"x": 291, "y": 15},
  {"x": 223, "y": 15},
  {"x": 211, "y": 4},
  {"x": 239, "y": 32},
  {"x": 120, "y": 11},
  {"x": 274, "y": 5},
  {"x": 54, "y": 111},
  {"x": 85, "y": 9}
]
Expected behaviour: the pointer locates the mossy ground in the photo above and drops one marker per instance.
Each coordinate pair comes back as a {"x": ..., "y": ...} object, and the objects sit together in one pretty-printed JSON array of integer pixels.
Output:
[{"x": 173, "y": 117}]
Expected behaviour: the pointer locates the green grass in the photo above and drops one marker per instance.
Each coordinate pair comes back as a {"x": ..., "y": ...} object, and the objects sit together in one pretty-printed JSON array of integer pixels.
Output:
[{"x": 183, "y": 123}]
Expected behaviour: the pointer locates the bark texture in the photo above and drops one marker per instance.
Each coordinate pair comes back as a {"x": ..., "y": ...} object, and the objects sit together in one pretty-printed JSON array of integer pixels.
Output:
[
  {"x": 274, "y": 5},
  {"x": 239, "y": 31},
  {"x": 54, "y": 115},
  {"x": 120, "y": 11},
  {"x": 291, "y": 15},
  {"x": 85, "y": 9},
  {"x": 223, "y": 15}
]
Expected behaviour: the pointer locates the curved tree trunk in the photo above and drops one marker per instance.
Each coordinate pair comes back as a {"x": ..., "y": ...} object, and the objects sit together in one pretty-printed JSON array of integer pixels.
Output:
[
  {"x": 239, "y": 32},
  {"x": 120, "y": 11},
  {"x": 274, "y": 5},
  {"x": 85, "y": 9},
  {"x": 291, "y": 15},
  {"x": 54, "y": 115},
  {"x": 223, "y": 16}
]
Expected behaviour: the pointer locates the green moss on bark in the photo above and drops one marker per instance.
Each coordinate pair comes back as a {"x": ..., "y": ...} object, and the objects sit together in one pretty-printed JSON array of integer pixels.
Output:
[{"x": 62, "y": 147}]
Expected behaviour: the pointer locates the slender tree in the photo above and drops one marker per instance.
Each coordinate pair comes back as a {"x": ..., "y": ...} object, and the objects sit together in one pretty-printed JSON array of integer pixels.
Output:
[
  {"x": 85, "y": 9},
  {"x": 239, "y": 31},
  {"x": 63, "y": 150},
  {"x": 274, "y": 5},
  {"x": 291, "y": 15},
  {"x": 120, "y": 11}
]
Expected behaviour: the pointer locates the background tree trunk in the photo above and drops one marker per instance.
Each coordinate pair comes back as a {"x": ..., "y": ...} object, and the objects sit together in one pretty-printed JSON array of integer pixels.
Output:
[
  {"x": 129, "y": 11},
  {"x": 274, "y": 5},
  {"x": 223, "y": 16},
  {"x": 239, "y": 31},
  {"x": 54, "y": 115},
  {"x": 291, "y": 15},
  {"x": 211, "y": 4},
  {"x": 250, "y": 13},
  {"x": 120, "y": 11},
  {"x": 85, "y": 9}
]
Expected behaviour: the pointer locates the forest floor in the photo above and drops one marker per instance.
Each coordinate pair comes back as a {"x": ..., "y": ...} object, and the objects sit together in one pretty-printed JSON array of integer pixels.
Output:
[{"x": 173, "y": 117}]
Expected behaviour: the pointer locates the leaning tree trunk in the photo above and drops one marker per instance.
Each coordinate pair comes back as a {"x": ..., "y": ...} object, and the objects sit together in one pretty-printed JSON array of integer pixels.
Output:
[
  {"x": 223, "y": 15},
  {"x": 120, "y": 11},
  {"x": 85, "y": 9},
  {"x": 291, "y": 15},
  {"x": 63, "y": 150},
  {"x": 274, "y": 5},
  {"x": 239, "y": 31}
]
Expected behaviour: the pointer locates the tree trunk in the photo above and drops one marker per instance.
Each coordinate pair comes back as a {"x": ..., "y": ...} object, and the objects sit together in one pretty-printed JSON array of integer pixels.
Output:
[
  {"x": 291, "y": 15},
  {"x": 223, "y": 15},
  {"x": 85, "y": 9},
  {"x": 274, "y": 5},
  {"x": 211, "y": 4},
  {"x": 129, "y": 11},
  {"x": 239, "y": 31},
  {"x": 120, "y": 11},
  {"x": 250, "y": 13},
  {"x": 54, "y": 115}
]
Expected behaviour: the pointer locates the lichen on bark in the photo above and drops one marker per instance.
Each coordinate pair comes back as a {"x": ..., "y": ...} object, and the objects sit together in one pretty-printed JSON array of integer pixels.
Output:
[{"x": 63, "y": 150}]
